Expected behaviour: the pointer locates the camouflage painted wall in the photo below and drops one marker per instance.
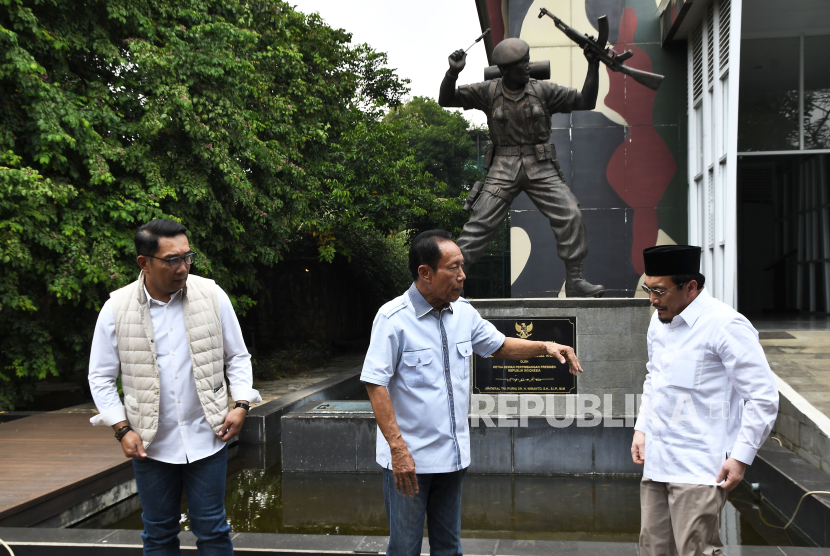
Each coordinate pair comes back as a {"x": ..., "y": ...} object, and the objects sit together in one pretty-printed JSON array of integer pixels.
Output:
[{"x": 624, "y": 161}]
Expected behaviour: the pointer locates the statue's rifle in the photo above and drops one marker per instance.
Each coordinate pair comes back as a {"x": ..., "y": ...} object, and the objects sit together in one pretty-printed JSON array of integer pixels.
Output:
[{"x": 605, "y": 54}]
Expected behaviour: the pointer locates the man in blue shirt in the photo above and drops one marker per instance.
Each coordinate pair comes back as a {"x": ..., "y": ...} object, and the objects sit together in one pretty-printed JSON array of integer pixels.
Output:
[{"x": 417, "y": 375}]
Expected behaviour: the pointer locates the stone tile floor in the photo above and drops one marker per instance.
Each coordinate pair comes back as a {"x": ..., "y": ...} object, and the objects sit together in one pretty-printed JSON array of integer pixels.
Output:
[
  {"x": 803, "y": 362},
  {"x": 273, "y": 389}
]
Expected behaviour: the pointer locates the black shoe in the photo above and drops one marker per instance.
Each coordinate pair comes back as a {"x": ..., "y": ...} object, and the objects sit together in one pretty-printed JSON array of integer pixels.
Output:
[{"x": 575, "y": 283}]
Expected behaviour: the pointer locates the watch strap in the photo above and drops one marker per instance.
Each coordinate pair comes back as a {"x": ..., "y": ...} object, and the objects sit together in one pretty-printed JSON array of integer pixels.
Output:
[{"x": 121, "y": 432}]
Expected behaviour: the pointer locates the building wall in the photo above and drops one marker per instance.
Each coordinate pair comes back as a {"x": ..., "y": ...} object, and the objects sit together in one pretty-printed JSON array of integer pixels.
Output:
[
  {"x": 624, "y": 161},
  {"x": 758, "y": 100},
  {"x": 713, "y": 61},
  {"x": 802, "y": 428}
]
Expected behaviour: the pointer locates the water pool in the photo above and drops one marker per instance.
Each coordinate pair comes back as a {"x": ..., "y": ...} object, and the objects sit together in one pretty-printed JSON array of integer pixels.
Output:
[{"x": 494, "y": 506}]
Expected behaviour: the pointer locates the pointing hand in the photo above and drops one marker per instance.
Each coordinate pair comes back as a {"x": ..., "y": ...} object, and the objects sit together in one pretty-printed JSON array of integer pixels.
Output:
[{"x": 565, "y": 354}]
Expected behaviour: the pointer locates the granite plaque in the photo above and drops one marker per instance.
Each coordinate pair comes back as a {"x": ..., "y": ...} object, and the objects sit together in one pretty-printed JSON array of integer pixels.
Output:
[{"x": 539, "y": 375}]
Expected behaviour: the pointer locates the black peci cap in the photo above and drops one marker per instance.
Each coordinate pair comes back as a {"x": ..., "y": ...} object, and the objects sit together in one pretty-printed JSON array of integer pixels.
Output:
[{"x": 671, "y": 260}]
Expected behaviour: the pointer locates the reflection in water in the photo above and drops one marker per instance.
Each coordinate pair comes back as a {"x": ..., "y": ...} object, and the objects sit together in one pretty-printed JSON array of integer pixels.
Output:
[{"x": 494, "y": 506}]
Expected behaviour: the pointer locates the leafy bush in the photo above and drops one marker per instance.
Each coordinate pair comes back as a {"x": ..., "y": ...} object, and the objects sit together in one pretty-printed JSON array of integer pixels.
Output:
[{"x": 247, "y": 121}]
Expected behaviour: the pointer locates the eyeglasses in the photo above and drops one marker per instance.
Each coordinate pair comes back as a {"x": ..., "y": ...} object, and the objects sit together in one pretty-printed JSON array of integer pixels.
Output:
[
  {"x": 660, "y": 293},
  {"x": 174, "y": 262}
]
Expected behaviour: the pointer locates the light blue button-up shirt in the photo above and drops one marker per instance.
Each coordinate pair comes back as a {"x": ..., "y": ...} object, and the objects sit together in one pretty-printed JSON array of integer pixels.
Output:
[{"x": 422, "y": 356}]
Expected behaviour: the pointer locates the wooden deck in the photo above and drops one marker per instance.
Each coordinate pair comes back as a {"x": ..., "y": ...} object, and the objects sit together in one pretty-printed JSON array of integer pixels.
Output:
[{"x": 53, "y": 461}]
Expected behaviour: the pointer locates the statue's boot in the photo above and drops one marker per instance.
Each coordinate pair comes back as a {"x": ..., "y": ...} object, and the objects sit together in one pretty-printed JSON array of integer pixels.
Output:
[{"x": 575, "y": 283}]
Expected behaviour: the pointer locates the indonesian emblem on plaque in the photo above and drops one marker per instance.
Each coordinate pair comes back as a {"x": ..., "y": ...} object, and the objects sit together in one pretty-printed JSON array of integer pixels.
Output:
[
  {"x": 537, "y": 375},
  {"x": 523, "y": 330}
]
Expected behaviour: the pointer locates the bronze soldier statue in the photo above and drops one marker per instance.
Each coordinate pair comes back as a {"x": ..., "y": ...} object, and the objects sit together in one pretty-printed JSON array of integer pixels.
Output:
[{"x": 522, "y": 159}]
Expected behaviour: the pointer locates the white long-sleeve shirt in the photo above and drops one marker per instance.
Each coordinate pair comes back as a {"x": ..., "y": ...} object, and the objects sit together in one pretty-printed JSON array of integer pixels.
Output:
[
  {"x": 183, "y": 433},
  {"x": 709, "y": 393}
]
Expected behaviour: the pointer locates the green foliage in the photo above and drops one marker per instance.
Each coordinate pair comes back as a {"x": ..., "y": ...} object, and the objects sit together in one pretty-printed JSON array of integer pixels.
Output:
[
  {"x": 442, "y": 140},
  {"x": 381, "y": 262},
  {"x": 8, "y": 395},
  {"x": 247, "y": 121}
]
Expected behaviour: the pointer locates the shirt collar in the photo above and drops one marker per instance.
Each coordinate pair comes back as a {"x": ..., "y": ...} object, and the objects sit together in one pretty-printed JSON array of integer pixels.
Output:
[
  {"x": 691, "y": 313},
  {"x": 516, "y": 96},
  {"x": 421, "y": 306},
  {"x": 147, "y": 297},
  {"x": 172, "y": 297}
]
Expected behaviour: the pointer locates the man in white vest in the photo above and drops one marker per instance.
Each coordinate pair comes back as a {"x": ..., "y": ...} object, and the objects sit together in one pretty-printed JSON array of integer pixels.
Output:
[
  {"x": 709, "y": 402},
  {"x": 173, "y": 337}
]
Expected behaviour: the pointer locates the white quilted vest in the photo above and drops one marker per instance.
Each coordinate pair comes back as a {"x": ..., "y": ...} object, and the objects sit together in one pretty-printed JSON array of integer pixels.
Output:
[{"x": 137, "y": 351}]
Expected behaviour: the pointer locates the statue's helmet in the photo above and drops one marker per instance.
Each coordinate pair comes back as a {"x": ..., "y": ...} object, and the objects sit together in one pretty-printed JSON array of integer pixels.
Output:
[{"x": 510, "y": 51}]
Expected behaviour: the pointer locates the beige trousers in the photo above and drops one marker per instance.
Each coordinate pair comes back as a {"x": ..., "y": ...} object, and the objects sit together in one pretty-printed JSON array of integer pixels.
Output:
[{"x": 680, "y": 519}]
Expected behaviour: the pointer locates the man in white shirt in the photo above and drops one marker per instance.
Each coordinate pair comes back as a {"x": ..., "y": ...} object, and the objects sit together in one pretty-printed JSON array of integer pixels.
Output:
[
  {"x": 417, "y": 375},
  {"x": 172, "y": 336},
  {"x": 709, "y": 403}
]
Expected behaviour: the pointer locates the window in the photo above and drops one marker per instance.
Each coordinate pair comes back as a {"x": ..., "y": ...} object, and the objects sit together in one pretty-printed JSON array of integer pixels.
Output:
[
  {"x": 725, "y": 107},
  {"x": 817, "y": 92},
  {"x": 710, "y": 45},
  {"x": 697, "y": 63},
  {"x": 699, "y": 136},
  {"x": 781, "y": 108},
  {"x": 768, "y": 95},
  {"x": 724, "y": 12},
  {"x": 710, "y": 202}
]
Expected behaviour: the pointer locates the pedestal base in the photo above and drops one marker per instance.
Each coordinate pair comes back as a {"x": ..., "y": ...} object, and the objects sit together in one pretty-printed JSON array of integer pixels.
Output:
[{"x": 610, "y": 344}]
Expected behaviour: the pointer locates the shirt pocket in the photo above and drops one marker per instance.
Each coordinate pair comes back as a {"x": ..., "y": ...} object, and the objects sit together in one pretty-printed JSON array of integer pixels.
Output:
[
  {"x": 537, "y": 116},
  {"x": 415, "y": 366},
  {"x": 465, "y": 350},
  {"x": 684, "y": 368}
]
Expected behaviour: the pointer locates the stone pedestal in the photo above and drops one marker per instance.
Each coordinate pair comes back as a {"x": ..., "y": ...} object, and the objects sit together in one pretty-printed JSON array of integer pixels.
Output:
[
  {"x": 588, "y": 432},
  {"x": 610, "y": 338}
]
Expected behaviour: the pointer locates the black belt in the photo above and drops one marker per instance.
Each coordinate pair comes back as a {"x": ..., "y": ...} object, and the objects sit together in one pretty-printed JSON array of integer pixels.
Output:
[{"x": 518, "y": 150}]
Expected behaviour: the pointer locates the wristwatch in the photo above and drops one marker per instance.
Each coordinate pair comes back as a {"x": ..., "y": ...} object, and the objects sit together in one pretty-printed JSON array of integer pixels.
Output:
[{"x": 244, "y": 406}]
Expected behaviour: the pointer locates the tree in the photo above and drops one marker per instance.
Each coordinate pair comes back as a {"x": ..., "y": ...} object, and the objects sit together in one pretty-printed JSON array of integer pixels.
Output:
[
  {"x": 442, "y": 141},
  {"x": 251, "y": 123}
]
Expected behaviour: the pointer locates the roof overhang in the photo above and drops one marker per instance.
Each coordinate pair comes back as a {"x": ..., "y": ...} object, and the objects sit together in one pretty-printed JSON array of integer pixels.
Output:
[
  {"x": 490, "y": 11},
  {"x": 672, "y": 14}
]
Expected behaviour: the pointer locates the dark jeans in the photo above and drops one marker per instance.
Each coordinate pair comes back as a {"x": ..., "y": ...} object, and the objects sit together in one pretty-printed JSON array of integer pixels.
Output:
[
  {"x": 439, "y": 498},
  {"x": 160, "y": 487}
]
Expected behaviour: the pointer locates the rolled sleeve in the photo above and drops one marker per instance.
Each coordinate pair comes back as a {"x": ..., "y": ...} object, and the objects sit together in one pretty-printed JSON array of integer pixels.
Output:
[
  {"x": 559, "y": 99},
  {"x": 110, "y": 417},
  {"x": 475, "y": 96},
  {"x": 486, "y": 339},
  {"x": 240, "y": 393},
  {"x": 382, "y": 356}
]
